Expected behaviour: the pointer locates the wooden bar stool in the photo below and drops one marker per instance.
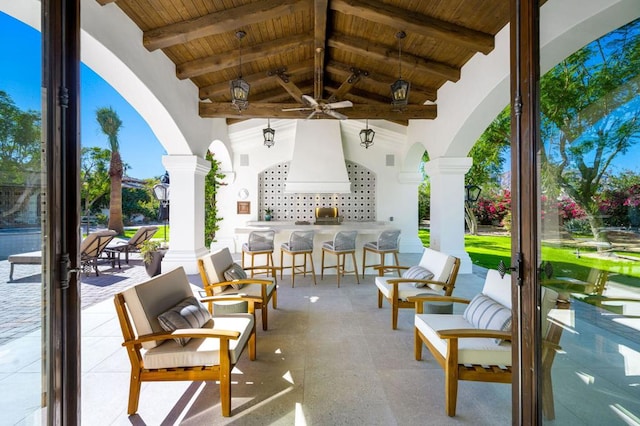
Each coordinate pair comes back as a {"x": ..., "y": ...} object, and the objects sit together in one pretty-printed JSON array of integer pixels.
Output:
[
  {"x": 343, "y": 243},
  {"x": 387, "y": 243},
  {"x": 300, "y": 242},
  {"x": 259, "y": 243}
]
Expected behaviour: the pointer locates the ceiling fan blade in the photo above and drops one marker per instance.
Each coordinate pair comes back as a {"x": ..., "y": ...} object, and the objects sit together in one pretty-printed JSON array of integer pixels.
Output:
[
  {"x": 341, "y": 104},
  {"x": 335, "y": 114},
  {"x": 297, "y": 109},
  {"x": 309, "y": 100}
]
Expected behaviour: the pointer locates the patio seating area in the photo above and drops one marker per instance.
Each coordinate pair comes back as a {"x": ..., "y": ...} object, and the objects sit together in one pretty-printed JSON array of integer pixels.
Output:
[{"x": 328, "y": 357}]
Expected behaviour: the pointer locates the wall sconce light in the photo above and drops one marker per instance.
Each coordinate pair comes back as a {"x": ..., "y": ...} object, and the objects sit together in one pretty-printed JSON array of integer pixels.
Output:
[
  {"x": 269, "y": 134},
  {"x": 400, "y": 88},
  {"x": 366, "y": 136},
  {"x": 239, "y": 87}
]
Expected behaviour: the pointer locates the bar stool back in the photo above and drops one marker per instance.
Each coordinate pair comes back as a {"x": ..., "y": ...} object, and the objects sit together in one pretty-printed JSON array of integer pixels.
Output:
[
  {"x": 259, "y": 243},
  {"x": 387, "y": 243},
  {"x": 343, "y": 243},
  {"x": 300, "y": 242}
]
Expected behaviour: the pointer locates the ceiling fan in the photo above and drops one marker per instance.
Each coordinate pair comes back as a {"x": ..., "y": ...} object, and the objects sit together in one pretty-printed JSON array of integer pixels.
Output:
[{"x": 321, "y": 107}]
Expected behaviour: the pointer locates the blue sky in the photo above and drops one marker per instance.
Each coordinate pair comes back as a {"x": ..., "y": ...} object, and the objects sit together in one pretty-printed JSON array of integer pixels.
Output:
[{"x": 21, "y": 79}]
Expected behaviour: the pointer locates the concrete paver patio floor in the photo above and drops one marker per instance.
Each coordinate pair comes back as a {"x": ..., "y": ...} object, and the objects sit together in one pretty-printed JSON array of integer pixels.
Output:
[{"x": 328, "y": 358}]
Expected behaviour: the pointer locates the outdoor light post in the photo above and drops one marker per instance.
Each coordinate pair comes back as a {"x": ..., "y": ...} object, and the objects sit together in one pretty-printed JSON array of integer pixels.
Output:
[
  {"x": 161, "y": 192},
  {"x": 472, "y": 193}
]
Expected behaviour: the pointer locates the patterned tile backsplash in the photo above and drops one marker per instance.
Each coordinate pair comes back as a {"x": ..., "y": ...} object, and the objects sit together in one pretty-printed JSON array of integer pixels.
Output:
[{"x": 359, "y": 205}]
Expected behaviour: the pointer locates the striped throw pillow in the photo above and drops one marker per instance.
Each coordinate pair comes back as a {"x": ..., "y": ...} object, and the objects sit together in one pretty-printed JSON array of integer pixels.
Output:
[
  {"x": 235, "y": 272},
  {"x": 485, "y": 313},
  {"x": 189, "y": 313},
  {"x": 419, "y": 273}
]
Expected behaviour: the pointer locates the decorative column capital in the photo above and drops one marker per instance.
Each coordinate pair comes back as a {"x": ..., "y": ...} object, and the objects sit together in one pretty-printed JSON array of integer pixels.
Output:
[{"x": 448, "y": 166}]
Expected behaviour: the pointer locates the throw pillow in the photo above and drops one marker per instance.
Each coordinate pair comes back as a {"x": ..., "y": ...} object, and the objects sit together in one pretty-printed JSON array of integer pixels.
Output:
[
  {"x": 485, "y": 313},
  {"x": 189, "y": 313},
  {"x": 419, "y": 273},
  {"x": 233, "y": 273}
]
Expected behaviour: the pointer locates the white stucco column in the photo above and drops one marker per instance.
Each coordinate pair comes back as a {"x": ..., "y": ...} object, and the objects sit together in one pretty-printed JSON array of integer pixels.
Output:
[
  {"x": 186, "y": 211},
  {"x": 407, "y": 195},
  {"x": 447, "y": 207}
]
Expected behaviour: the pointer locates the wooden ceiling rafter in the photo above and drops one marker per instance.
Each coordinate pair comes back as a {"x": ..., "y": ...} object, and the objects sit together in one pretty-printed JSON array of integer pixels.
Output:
[
  {"x": 220, "y": 22},
  {"x": 231, "y": 58},
  {"x": 256, "y": 79},
  {"x": 274, "y": 110},
  {"x": 319, "y": 45},
  {"x": 427, "y": 26},
  {"x": 388, "y": 53}
]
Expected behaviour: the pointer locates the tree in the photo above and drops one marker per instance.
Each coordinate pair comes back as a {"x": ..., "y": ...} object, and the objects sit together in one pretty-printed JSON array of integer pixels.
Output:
[
  {"x": 487, "y": 161},
  {"x": 590, "y": 115},
  {"x": 110, "y": 125},
  {"x": 19, "y": 153},
  {"x": 212, "y": 181},
  {"x": 94, "y": 177}
]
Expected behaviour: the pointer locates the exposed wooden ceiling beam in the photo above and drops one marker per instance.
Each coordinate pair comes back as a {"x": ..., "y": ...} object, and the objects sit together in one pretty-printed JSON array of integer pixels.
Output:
[
  {"x": 386, "y": 53},
  {"x": 278, "y": 95},
  {"x": 383, "y": 82},
  {"x": 274, "y": 110},
  {"x": 257, "y": 79},
  {"x": 361, "y": 97},
  {"x": 426, "y": 26},
  {"x": 319, "y": 45},
  {"x": 288, "y": 85},
  {"x": 350, "y": 81},
  {"x": 103, "y": 2},
  {"x": 220, "y": 22},
  {"x": 231, "y": 58}
]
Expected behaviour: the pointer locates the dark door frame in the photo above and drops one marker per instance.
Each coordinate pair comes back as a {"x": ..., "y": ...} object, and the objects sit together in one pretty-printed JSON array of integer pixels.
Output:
[
  {"x": 525, "y": 253},
  {"x": 61, "y": 208}
]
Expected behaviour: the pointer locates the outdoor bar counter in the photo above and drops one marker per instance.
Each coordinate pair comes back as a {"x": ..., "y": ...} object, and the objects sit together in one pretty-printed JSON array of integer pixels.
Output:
[{"x": 367, "y": 231}]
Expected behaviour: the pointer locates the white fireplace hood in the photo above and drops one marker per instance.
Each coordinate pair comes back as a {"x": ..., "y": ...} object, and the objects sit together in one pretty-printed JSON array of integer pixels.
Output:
[{"x": 317, "y": 165}]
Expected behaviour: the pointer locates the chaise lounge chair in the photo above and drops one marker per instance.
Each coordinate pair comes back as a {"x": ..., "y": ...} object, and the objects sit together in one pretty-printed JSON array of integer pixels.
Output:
[
  {"x": 92, "y": 248},
  {"x": 144, "y": 233}
]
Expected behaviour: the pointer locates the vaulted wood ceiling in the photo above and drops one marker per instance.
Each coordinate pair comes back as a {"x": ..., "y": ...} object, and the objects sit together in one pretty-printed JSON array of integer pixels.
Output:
[{"x": 329, "y": 49}]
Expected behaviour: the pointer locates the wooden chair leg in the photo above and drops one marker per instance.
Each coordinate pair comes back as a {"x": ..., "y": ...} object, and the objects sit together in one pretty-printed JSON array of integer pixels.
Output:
[
  {"x": 451, "y": 378},
  {"x": 264, "y": 316},
  {"x": 282, "y": 264},
  {"x": 394, "y": 313},
  {"x": 355, "y": 266},
  {"x": 379, "y": 299},
  {"x": 417, "y": 344},
  {"x": 313, "y": 269},
  {"x": 395, "y": 255},
  {"x": 225, "y": 379},
  {"x": 134, "y": 392},
  {"x": 322, "y": 266},
  {"x": 339, "y": 268},
  {"x": 364, "y": 261}
]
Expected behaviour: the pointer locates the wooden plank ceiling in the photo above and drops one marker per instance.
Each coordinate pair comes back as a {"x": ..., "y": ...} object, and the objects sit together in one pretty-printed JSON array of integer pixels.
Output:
[{"x": 331, "y": 50}]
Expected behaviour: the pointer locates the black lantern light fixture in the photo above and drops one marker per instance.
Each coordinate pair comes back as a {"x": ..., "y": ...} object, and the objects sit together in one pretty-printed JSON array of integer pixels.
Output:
[
  {"x": 239, "y": 87},
  {"x": 161, "y": 192},
  {"x": 400, "y": 88},
  {"x": 472, "y": 193},
  {"x": 269, "y": 135},
  {"x": 366, "y": 136}
]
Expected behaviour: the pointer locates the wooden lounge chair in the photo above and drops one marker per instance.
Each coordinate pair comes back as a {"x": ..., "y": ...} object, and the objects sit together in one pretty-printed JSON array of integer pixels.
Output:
[
  {"x": 212, "y": 269},
  {"x": 132, "y": 245},
  {"x": 476, "y": 345},
  {"x": 208, "y": 350},
  {"x": 92, "y": 248}
]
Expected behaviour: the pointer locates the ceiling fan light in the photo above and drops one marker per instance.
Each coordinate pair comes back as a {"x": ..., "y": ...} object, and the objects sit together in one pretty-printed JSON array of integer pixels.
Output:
[{"x": 240, "y": 94}]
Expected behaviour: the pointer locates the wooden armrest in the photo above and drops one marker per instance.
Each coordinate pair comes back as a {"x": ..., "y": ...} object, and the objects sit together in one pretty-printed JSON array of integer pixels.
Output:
[
  {"x": 459, "y": 333},
  {"x": 197, "y": 333},
  {"x": 437, "y": 298},
  {"x": 390, "y": 267},
  {"x": 414, "y": 280},
  {"x": 231, "y": 297}
]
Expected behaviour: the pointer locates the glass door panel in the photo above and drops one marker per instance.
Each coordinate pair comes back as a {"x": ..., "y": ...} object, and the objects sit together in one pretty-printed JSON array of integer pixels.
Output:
[
  {"x": 23, "y": 295},
  {"x": 589, "y": 187}
]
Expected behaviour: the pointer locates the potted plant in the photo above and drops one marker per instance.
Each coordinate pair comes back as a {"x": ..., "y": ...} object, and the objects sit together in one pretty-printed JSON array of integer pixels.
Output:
[
  {"x": 152, "y": 254},
  {"x": 268, "y": 211}
]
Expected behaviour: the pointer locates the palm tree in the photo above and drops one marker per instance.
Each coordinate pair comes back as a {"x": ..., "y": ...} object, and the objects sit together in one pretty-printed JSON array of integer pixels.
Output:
[{"x": 110, "y": 125}]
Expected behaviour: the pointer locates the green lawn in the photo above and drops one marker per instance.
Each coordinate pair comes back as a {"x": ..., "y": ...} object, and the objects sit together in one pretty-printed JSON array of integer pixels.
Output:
[{"x": 488, "y": 250}]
